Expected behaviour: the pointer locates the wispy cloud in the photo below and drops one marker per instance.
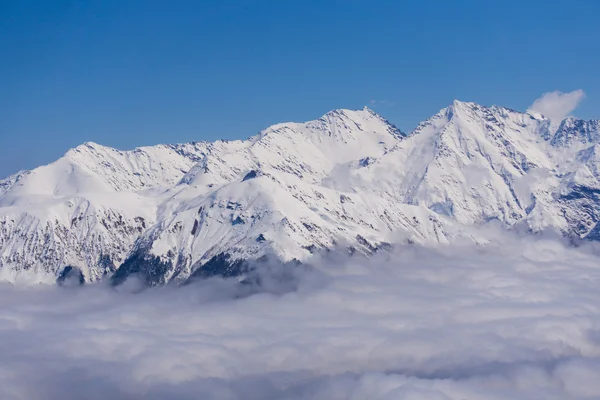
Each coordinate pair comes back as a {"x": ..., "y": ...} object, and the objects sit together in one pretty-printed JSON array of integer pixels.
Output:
[
  {"x": 558, "y": 105},
  {"x": 515, "y": 321},
  {"x": 375, "y": 103}
]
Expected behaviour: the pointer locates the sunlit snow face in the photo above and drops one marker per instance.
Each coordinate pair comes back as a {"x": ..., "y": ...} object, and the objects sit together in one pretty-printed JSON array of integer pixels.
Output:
[{"x": 518, "y": 320}]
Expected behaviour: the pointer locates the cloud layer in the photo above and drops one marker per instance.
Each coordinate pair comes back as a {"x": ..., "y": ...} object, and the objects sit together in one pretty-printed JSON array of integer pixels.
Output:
[
  {"x": 517, "y": 320},
  {"x": 558, "y": 105}
]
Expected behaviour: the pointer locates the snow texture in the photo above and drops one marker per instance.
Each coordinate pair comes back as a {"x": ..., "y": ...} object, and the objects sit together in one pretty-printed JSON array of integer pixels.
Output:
[{"x": 347, "y": 181}]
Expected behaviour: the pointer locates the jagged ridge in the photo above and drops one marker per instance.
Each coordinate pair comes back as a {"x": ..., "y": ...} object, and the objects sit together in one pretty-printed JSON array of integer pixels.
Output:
[{"x": 348, "y": 180}]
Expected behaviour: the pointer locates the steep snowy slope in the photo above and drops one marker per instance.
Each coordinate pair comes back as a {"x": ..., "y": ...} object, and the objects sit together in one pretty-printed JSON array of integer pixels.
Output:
[
  {"x": 576, "y": 131},
  {"x": 92, "y": 168},
  {"x": 577, "y": 155},
  {"x": 475, "y": 164},
  {"x": 86, "y": 209},
  {"x": 579, "y": 193},
  {"x": 470, "y": 163},
  {"x": 349, "y": 180},
  {"x": 264, "y": 196},
  {"x": 308, "y": 150},
  {"x": 93, "y": 234},
  {"x": 283, "y": 217}
]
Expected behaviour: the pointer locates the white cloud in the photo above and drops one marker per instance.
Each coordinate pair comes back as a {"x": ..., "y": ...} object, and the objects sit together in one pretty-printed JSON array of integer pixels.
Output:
[
  {"x": 558, "y": 105},
  {"x": 517, "y": 320}
]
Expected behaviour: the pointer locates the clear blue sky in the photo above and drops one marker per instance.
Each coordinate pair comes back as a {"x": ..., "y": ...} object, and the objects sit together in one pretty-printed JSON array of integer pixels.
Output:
[{"x": 129, "y": 73}]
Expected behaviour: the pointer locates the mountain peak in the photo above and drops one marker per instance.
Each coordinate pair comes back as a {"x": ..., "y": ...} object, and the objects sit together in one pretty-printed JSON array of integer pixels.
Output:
[
  {"x": 364, "y": 112},
  {"x": 338, "y": 123},
  {"x": 461, "y": 104},
  {"x": 573, "y": 130},
  {"x": 366, "y": 108},
  {"x": 472, "y": 107},
  {"x": 492, "y": 113},
  {"x": 87, "y": 147},
  {"x": 461, "y": 119},
  {"x": 296, "y": 188}
]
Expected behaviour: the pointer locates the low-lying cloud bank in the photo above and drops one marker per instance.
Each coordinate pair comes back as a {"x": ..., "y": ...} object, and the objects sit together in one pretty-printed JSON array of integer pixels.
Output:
[{"x": 516, "y": 320}]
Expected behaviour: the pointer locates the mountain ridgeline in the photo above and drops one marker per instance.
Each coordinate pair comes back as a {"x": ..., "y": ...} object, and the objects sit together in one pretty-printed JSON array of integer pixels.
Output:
[{"x": 349, "y": 180}]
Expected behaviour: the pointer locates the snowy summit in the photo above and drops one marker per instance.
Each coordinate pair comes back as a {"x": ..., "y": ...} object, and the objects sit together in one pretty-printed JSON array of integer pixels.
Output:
[{"x": 349, "y": 180}]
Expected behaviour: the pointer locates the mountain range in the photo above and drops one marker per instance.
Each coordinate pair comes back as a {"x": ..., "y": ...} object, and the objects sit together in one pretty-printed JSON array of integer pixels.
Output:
[{"x": 348, "y": 181}]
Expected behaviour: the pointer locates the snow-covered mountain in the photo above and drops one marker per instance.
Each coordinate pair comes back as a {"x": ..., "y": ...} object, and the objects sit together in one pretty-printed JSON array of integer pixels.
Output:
[{"x": 348, "y": 180}]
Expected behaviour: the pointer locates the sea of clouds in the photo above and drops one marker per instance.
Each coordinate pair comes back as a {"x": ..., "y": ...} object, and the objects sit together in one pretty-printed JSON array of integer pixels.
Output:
[{"x": 516, "y": 319}]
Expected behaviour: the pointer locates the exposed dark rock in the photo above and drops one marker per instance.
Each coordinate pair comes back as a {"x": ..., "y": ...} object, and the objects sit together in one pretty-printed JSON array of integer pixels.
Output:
[
  {"x": 311, "y": 248},
  {"x": 250, "y": 175},
  {"x": 582, "y": 192},
  {"x": 594, "y": 234},
  {"x": 345, "y": 199},
  {"x": 149, "y": 268},
  {"x": 232, "y": 205},
  {"x": 238, "y": 221},
  {"x": 141, "y": 221},
  {"x": 384, "y": 246},
  {"x": 70, "y": 276},
  {"x": 363, "y": 162},
  {"x": 360, "y": 239},
  {"x": 107, "y": 264},
  {"x": 310, "y": 227},
  {"x": 220, "y": 265},
  {"x": 266, "y": 274}
]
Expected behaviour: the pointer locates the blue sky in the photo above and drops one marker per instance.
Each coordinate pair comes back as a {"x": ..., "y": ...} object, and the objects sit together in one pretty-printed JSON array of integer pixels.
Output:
[{"x": 129, "y": 73}]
